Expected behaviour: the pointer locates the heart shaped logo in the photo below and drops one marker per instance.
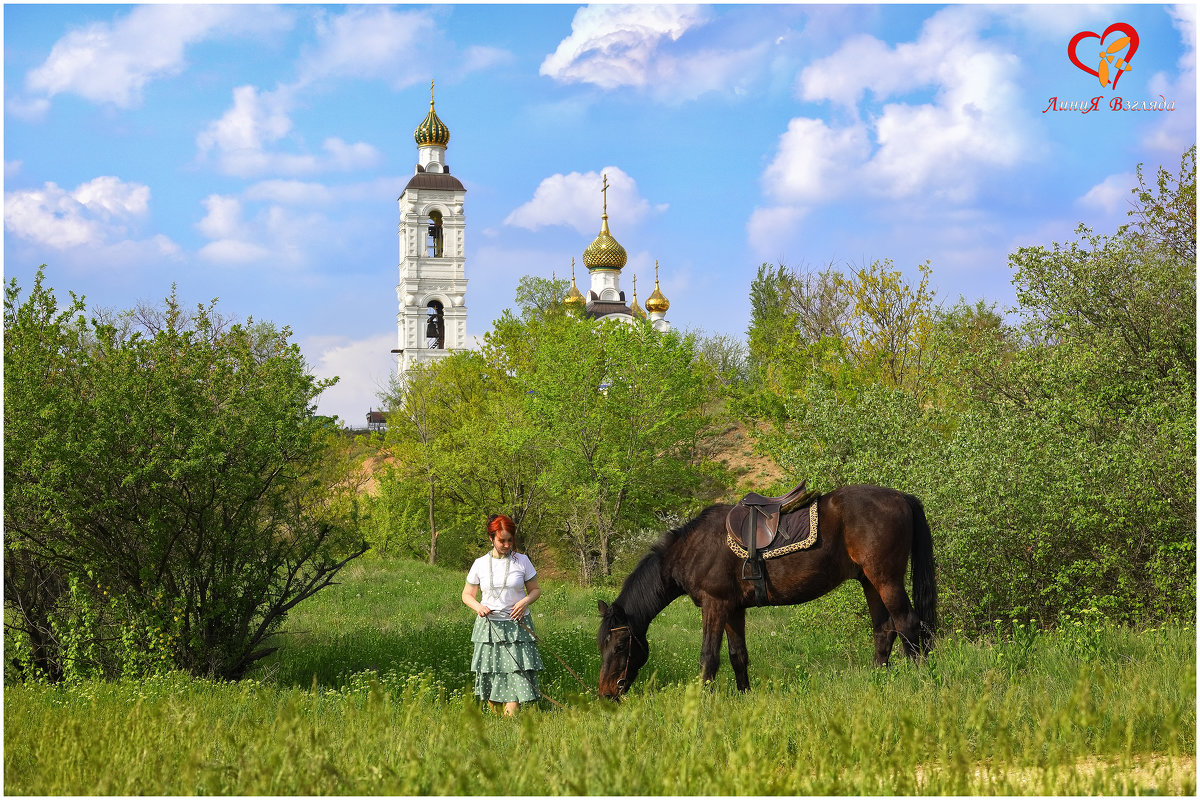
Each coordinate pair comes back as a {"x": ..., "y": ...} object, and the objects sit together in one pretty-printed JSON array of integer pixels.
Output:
[{"x": 1111, "y": 66}]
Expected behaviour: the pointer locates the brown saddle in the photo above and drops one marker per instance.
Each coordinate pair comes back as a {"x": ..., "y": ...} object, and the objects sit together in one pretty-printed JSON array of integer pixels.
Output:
[{"x": 754, "y": 520}]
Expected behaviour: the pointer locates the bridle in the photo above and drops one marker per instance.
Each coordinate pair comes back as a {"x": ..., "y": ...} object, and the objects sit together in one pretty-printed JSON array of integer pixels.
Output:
[{"x": 623, "y": 682}]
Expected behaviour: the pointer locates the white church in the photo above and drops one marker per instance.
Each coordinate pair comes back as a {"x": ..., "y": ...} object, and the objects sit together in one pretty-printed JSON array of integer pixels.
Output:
[{"x": 432, "y": 320}]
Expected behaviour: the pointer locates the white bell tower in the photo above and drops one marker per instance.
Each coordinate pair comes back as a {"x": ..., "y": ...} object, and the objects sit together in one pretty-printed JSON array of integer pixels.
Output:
[{"x": 433, "y": 318}]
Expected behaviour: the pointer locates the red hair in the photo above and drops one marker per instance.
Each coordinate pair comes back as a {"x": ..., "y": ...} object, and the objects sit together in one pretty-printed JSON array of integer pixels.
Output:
[{"x": 499, "y": 522}]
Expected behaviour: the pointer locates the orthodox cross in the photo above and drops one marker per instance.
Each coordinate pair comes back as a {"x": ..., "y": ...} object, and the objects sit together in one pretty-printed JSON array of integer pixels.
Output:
[{"x": 604, "y": 191}]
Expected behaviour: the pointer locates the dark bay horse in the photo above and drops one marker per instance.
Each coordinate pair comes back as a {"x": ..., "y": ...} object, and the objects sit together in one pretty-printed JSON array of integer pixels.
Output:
[{"x": 866, "y": 533}]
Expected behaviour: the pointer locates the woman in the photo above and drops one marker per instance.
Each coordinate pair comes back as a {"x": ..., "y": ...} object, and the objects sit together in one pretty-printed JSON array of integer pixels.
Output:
[{"x": 506, "y": 659}]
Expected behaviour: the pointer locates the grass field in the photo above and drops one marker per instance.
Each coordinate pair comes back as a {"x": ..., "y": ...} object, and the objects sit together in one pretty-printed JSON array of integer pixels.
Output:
[{"x": 370, "y": 694}]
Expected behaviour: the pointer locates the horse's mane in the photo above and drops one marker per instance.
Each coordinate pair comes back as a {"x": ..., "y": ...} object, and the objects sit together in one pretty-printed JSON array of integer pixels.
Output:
[{"x": 646, "y": 591}]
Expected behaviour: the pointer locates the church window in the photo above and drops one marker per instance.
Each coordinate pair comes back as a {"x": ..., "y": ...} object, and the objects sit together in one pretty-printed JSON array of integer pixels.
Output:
[{"x": 435, "y": 234}]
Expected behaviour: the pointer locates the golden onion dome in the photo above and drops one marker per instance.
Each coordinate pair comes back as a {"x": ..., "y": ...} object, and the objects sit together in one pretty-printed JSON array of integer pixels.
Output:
[
  {"x": 604, "y": 252},
  {"x": 574, "y": 296},
  {"x": 657, "y": 302},
  {"x": 432, "y": 131},
  {"x": 634, "y": 308}
]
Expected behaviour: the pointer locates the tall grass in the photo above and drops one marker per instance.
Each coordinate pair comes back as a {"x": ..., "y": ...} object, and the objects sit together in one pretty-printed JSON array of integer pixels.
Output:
[{"x": 370, "y": 694}]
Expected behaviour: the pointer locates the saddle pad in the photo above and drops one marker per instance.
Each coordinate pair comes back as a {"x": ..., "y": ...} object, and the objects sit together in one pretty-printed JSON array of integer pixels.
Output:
[{"x": 797, "y": 531}]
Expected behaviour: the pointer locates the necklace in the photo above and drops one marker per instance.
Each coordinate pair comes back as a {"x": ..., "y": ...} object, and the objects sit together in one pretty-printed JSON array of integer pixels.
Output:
[{"x": 496, "y": 590}]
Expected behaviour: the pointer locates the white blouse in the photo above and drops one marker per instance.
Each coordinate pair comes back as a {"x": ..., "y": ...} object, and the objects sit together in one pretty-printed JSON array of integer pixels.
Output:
[{"x": 502, "y": 580}]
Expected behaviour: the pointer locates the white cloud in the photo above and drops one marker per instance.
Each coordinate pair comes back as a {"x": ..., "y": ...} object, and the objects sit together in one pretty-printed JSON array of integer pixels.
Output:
[
  {"x": 242, "y": 139},
  {"x": 255, "y": 136},
  {"x": 234, "y": 252},
  {"x": 906, "y": 151},
  {"x": 363, "y": 367},
  {"x": 291, "y": 192},
  {"x": 269, "y": 236},
  {"x": 1111, "y": 195},
  {"x": 113, "y": 63},
  {"x": 480, "y": 57},
  {"x": 688, "y": 77},
  {"x": 344, "y": 156},
  {"x": 371, "y": 42},
  {"x": 575, "y": 200},
  {"x": 814, "y": 161},
  {"x": 861, "y": 63},
  {"x": 97, "y": 213},
  {"x": 28, "y": 109},
  {"x": 110, "y": 197},
  {"x": 1052, "y": 22},
  {"x": 612, "y": 45},
  {"x": 942, "y": 147},
  {"x": 1176, "y": 130},
  {"x": 767, "y": 227},
  {"x": 403, "y": 47},
  {"x": 224, "y": 218},
  {"x": 255, "y": 119},
  {"x": 233, "y": 240},
  {"x": 1183, "y": 17}
]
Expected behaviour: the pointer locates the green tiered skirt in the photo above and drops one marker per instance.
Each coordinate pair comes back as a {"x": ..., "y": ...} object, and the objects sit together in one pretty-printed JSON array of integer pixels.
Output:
[{"x": 505, "y": 660}]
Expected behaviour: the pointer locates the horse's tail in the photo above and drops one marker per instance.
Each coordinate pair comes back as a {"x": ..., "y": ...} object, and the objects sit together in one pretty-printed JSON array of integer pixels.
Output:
[{"x": 923, "y": 578}]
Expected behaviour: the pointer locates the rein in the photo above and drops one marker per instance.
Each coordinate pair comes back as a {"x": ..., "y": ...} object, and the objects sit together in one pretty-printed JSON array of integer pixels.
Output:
[{"x": 566, "y": 666}]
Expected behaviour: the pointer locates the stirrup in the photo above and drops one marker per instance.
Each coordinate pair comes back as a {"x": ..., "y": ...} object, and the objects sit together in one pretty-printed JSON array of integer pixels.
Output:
[{"x": 757, "y": 573}]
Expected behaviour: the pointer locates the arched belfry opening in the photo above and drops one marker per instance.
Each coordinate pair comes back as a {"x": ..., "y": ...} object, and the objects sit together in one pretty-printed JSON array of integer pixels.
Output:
[
  {"x": 435, "y": 234},
  {"x": 435, "y": 326}
]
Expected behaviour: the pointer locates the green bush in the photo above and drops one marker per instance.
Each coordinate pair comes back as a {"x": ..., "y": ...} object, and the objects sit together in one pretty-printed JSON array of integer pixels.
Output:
[{"x": 169, "y": 496}]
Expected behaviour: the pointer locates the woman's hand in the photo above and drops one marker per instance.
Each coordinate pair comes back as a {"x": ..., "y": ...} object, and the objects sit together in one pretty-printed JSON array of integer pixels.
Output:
[
  {"x": 470, "y": 592},
  {"x": 532, "y": 592}
]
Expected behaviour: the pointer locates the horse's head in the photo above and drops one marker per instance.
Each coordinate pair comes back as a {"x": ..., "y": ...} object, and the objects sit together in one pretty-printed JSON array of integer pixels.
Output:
[{"x": 623, "y": 651}]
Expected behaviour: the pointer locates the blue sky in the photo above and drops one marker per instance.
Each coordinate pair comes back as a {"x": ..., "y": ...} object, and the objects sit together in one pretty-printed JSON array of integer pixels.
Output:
[{"x": 255, "y": 153}]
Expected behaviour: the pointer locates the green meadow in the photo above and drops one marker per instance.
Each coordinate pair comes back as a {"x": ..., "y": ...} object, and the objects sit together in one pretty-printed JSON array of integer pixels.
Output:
[{"x": 370, "y": 693}]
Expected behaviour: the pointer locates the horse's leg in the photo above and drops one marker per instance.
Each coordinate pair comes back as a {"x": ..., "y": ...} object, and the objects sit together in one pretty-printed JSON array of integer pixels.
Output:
[
  {"x": 739, "y": 659},
  {"x": 713, "y": 616},
  {"x": 904, "y": 618},
  {"x": 881, "y": 623}
]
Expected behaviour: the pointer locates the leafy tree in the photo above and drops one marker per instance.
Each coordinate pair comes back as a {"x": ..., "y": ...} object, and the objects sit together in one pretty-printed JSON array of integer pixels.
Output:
[
  {"x": 842, "y": 331},
  {"x": 42, "y": 346},
  {"x": 538, "y": 296},
  {"x": 623, "y": 407},
  {"x": 1110, "y": 363},
  {"x": 416, "y": 420},
  {"x": 171, "y": 477},
  {"x": 1165, "y": 213},
  {"x": 976, "y": 347},
  {"x": 725, "y": 356},
  {"x": 774, "y": 344},
  {"x": 456, "y": 427},
  {"x": 890, "y": 325}
]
